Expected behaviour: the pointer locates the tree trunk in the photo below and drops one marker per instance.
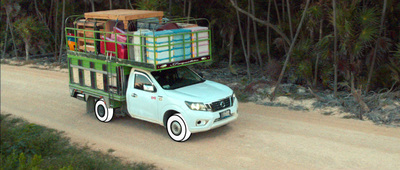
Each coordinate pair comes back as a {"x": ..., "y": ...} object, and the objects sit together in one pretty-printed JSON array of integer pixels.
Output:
[
  {"x": 290, "y": 19},
  {"x": 8, "y": 8},
  {"x": 37, "y": 11},
  {"x": 92, "y": 3},
  {"x": 56, "y": 31},
  {"x": 5, "y": 38},
  {"x": 170, "y": 7},
  {"x": 268, "y": 24},
  {"x": 248, "y": 42},
  {"x": 268, "y": 36},
  {"x": 50, "y": 12},
  {"x": 283, "y": 11},
  {"x": 352, "y": 84},
  {"x": 277, "y": 12},
  {"x": 376, "y": 46},
  {"x": 241, "y": 34},
  {"x": 130, "y": 4},
  {"x": 256, "y": 36},
  {"x": 110, "y": 4},
  {"x": 41, "y": 17},
  {"x": 318, "y": 56},
  {"x": 290, "y": 51},
  {"x": 62, "y": 32},
  {"x": 26, "y": 49},
  {"x": 184, "y": 7},
  {"x": 231, "y": 44},
  {"x": 189, "y": 9},
  {"x": 335, "y": 64}
]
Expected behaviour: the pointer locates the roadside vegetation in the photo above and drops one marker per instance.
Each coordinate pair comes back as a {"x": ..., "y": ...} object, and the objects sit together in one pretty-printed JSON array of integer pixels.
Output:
[
  {"x": 344, "y": 53},
  {"x": 26, "y": 145}
]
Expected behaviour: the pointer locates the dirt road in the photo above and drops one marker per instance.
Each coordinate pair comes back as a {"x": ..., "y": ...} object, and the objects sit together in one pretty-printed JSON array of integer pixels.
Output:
[{"x": 262, "y": 137}]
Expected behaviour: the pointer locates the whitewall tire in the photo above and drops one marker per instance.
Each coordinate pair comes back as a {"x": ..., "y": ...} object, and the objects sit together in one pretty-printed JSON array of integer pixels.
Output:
[
  {"x": 177, "y": 128},
  {"x": 102, "y": 112}
]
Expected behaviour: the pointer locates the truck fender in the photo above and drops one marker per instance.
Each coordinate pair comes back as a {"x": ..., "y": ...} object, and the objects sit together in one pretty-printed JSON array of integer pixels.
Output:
[{"x": 170, "y": 110}]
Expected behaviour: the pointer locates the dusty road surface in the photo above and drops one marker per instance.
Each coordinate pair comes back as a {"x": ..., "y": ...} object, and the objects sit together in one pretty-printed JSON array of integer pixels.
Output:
[{"x": 262, "y": 137}]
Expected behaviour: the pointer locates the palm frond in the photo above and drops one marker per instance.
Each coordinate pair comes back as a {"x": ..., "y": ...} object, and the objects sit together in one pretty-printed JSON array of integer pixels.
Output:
[
  {"x": 303, "y": 51},
  {"x": 315, "y": 11},
  {"x": 367, "y": 17},
  {"x": 357, "y": 48},
  {"x": 397, "y": 52},
  {"x": 325, "y": 42},
  {"x": 348, "y": 28},
  {"x": 304, "y": 69},
  {"x": 368, "y": 34}
]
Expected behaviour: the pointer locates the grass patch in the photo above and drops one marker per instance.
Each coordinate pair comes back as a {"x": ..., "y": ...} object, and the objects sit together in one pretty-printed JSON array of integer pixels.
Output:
[
  {"x": 26, "y": 145},
  {"x": 327, "y": 113},
  {"x": 352, "y": 116}
]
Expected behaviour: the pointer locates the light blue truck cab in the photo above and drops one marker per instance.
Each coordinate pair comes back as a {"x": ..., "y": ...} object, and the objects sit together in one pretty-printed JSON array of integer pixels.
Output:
[{"x": 180, "y": 100}]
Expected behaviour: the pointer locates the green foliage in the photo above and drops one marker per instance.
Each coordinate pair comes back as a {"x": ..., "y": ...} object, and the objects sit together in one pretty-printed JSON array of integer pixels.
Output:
[
  {"x": 21, "y": 162},
  {"x": 368, "y": 17},
  {"x": 397, "y": 52},
  {"x": 394, "y": 64},
  {"x": 302, "y": 62},
  {"x": 29, "y": 28},
  {"x": 154, "y": 5},
  {"x": 29, "y": 146},
  {"x": 357, "y": 23}
]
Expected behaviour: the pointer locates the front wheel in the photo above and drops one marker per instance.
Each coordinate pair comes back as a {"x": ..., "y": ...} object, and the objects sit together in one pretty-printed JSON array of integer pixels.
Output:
[
  {"x": 102, "y": 112},
  {"x": 177, "y": 128}
]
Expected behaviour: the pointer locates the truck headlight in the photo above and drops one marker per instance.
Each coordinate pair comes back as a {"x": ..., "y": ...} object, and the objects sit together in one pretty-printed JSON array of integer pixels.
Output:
[
  {"x": 197, "y": 106},
  {"x": 233, "y": 97}
]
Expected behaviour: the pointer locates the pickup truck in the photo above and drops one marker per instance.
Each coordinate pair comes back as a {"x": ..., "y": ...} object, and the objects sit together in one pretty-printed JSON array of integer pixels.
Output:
[{"x": 136, "y": 82}]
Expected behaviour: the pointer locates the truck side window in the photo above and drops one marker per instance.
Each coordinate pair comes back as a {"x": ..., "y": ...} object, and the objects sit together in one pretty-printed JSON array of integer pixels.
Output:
[{"x": 141, "y": 80}]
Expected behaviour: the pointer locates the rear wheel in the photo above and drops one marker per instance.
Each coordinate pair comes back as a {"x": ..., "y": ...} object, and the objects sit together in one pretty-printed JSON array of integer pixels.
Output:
[
  {"x": 102, "y": 112},
  {"x": 177, "y": 128}
]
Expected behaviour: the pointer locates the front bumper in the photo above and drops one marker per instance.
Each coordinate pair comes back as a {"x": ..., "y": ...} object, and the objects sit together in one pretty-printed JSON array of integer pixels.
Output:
[{"x": 200, "y": 121}]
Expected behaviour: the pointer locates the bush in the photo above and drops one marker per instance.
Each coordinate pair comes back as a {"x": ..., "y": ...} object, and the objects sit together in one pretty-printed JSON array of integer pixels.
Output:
[{"x": 29, "y": 146}]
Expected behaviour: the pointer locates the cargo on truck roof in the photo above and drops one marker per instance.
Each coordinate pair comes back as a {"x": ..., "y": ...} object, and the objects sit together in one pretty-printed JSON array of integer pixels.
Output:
[{"x": 139, "y": 38}]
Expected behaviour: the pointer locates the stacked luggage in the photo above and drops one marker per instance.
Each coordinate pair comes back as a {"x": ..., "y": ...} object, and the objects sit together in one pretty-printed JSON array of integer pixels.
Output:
[{"x": 152, "y": 42}]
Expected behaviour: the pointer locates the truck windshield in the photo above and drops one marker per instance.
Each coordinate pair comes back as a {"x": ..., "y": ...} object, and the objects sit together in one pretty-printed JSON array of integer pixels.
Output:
[{"x": 176, "y": 78}]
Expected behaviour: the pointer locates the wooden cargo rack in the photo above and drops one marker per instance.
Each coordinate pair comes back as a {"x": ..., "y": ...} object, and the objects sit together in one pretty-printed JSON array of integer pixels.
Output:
[
  {"x": 124, "y": 15},
  {"x": 98, "y": 34}
]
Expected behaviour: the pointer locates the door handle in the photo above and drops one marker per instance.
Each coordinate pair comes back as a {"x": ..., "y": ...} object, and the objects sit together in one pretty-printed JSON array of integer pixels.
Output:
[{"x": 134, "y": 95}]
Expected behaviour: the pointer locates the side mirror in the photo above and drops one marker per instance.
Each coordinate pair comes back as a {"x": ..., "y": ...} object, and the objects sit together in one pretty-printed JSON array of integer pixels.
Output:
[
  {"x": 149, "y": 88},
  {"x": 201, "y": 75}
]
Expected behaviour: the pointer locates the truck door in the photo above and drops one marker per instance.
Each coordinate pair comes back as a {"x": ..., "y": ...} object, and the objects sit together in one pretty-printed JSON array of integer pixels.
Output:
[{"x": 142, "y": 97}]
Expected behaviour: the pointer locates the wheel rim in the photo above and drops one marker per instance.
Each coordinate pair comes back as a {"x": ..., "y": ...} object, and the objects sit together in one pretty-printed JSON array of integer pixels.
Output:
[
  {"x": 101, "y": 111},
  {"x": 176, "y": 128}
]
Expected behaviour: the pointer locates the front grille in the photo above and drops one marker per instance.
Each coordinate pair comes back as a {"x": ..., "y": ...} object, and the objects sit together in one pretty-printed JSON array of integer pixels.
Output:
[{"x": 221, "y": 104}]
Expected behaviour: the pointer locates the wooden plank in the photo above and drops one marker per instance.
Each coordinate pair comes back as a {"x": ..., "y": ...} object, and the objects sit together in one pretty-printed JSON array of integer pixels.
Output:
[
  {"x": 85, "y": 28},
  {"x": 88, "y": 48},
  {"x": 124, "y": 14},
  {"x": 87, "y": 33},
  {"x": 89, "y": 23},
  {"x": 88, "y": 42}
]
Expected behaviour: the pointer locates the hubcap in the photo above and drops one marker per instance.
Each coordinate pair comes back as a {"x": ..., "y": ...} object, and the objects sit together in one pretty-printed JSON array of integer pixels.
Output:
[
  {"x": 176, "y": 128},
  {"x": 101, "y": 111}
]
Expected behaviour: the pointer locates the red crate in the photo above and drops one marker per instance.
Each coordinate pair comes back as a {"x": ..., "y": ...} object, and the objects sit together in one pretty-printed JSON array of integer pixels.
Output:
[{"x": 110, "y": 46}]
